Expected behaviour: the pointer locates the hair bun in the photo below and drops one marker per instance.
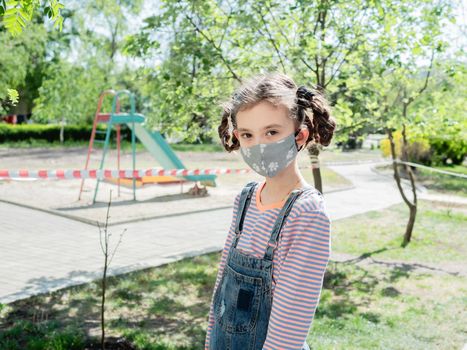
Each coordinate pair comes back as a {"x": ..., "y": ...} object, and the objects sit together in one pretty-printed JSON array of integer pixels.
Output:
[{"x": 305, "y": 96}]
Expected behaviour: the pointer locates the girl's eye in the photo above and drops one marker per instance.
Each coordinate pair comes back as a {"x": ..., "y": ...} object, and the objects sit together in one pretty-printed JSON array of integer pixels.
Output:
[{"x": 243, "y": 135}]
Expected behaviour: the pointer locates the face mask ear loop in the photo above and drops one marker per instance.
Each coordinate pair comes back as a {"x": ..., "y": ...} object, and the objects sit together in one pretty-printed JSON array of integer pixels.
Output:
[{"x": 301, "y": 147}]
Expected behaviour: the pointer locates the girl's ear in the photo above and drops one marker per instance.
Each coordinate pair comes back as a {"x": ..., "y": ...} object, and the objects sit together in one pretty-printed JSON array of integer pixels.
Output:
[
  {"x": 306, "y": 133},
  {"x": 304, "y": 136}
]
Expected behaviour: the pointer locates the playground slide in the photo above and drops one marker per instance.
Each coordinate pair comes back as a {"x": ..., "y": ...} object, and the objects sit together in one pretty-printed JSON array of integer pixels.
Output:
[{"x": 161, "y": 151}]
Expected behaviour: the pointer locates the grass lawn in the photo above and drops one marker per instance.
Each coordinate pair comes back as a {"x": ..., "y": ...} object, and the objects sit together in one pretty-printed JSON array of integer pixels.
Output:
[
  {"x": 363, "y": 306},
  {"x": 445, "y": 183},
  {"x": 438, "y": 182}
]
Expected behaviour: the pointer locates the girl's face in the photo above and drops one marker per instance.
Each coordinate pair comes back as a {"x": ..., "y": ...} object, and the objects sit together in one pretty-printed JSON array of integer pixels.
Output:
[{"x": 264, "y": 123}]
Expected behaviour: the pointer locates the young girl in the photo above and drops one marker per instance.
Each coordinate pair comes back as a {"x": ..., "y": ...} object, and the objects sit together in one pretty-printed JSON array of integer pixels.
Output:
[{"x": 272, "y": 266}]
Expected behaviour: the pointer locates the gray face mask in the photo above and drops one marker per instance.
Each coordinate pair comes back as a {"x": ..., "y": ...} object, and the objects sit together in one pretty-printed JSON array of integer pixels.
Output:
[{"x": 268, "y": 159}]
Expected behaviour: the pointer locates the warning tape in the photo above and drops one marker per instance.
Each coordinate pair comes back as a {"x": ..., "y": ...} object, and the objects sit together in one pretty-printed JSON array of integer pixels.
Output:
[
  {"x": 432, "y": 169},
  {"x": 115, "y": 174},
  {"x": 111, "y": 174},
  {"x": 128, "y": 173}
]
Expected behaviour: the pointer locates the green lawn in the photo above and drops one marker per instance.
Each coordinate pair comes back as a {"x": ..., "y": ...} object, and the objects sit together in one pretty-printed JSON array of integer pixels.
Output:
[
  {"x": 438, "y": 182},
  {"x": 443, "y": 182},
  {"x": 437, "y": 237},
  {"x": 363, "y": 306}
]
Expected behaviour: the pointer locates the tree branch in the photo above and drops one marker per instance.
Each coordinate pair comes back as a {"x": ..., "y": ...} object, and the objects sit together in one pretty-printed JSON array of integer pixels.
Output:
[
  {"x": 218, "y": 49},
  {"x": 271, "y": 39},
  {"x": 425, "y": 85}
]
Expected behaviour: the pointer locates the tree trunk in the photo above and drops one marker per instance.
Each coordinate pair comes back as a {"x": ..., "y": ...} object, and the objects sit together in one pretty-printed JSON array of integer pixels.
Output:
[
  {"x": 313, "y": 151},
  {"x": 412, "y": 206},
  {"x": 62, "y": 130},
  {"x": 104, "y": 287},
  {"x": 410, "y": 225}
]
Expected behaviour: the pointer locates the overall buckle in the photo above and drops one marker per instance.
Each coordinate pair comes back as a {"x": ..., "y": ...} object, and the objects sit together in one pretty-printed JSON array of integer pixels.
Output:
[{"x": 275, "y": 245}]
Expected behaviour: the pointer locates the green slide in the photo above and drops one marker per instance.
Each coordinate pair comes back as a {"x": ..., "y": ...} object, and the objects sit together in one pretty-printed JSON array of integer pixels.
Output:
[{"x": 161, "y": 151}]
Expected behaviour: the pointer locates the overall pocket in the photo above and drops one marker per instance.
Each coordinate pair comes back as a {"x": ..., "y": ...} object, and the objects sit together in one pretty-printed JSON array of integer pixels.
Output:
[
  {"x": 218, "y": 293},
  {"x": 239, "y": 301}
]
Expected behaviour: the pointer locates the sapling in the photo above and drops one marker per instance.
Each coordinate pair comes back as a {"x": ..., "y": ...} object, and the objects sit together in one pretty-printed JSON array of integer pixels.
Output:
[{"x": 108, "y": 257}]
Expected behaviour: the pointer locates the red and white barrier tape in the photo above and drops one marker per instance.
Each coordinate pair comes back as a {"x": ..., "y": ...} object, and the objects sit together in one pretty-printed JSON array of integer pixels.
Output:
[
  {"x": 114, "y": 174},
  {"x": 111, "y": 174},
  {"x": 128, "y": 173}
]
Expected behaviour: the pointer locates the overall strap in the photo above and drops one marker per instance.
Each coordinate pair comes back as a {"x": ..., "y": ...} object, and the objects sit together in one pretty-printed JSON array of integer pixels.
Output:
[
  {"x": 273, "y": 240},
  {"x": 244, "y": 202}
]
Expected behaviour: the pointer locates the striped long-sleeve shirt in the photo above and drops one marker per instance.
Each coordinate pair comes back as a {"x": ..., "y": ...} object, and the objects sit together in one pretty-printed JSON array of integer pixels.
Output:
[{"x": 299, "y": 262}]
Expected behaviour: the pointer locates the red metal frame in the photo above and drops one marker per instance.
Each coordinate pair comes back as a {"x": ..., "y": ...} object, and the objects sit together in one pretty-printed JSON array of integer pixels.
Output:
[{"x": 102, "y": 118}]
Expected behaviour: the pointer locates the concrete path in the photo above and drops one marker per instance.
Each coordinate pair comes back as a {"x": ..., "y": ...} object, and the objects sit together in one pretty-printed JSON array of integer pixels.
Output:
[{"x": 41, "y": 252}]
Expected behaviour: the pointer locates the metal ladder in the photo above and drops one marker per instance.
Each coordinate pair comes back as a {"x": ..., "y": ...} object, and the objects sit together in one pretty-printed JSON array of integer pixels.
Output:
[{"x": 115, "y": 117}]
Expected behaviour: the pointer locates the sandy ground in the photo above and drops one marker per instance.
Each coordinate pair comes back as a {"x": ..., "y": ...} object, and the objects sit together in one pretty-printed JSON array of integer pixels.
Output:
[{"x": 61, "y": 196}]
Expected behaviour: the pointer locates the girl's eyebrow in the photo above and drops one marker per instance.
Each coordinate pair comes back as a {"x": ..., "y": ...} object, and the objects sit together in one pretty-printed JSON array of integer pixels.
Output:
[{"x": 266, "y": 127}]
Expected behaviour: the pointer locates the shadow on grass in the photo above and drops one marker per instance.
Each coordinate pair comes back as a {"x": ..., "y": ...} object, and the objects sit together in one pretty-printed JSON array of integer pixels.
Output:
[
  {"x": 399, "y": 267},
  {"x": 167, "y": 307}
]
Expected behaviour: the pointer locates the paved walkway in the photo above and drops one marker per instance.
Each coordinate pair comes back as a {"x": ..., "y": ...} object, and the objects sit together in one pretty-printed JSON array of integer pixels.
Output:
[{"x": 42, "y": 252}]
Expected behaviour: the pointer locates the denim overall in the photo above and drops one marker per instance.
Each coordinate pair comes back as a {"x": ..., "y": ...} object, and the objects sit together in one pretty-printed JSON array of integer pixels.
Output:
[{"x": 243, "y": 298}]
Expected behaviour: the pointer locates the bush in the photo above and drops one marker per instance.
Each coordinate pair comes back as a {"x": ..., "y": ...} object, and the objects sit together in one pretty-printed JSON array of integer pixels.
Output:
[
  {"x": 435, "y": 150},
  {"x": 51, "y": 132},
  {"x": 386, "y": 146},
  {"x": 444, "y": 149},
  {"x": 419, "y": 151}
]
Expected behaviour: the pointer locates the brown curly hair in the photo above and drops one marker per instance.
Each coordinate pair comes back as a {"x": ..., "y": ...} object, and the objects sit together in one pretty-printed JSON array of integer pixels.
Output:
[{"x": 311, "y": 110}]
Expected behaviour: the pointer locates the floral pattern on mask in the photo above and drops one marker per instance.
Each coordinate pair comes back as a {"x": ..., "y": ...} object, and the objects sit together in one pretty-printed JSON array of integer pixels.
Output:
[
  {"x": 273, "y": 166},
  {"x": 270, "y": 158},
  {"x": 256, "y": 167}
]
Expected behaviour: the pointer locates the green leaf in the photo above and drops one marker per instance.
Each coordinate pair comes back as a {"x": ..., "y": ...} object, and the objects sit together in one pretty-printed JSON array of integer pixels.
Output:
[
  {"x": 13, "y": 96},
  {"x": 417, "y": 50}
]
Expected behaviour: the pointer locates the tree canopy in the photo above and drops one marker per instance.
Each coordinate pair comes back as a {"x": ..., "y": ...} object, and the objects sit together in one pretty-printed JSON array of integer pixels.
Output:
[{"x": 381, "y": 63}]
